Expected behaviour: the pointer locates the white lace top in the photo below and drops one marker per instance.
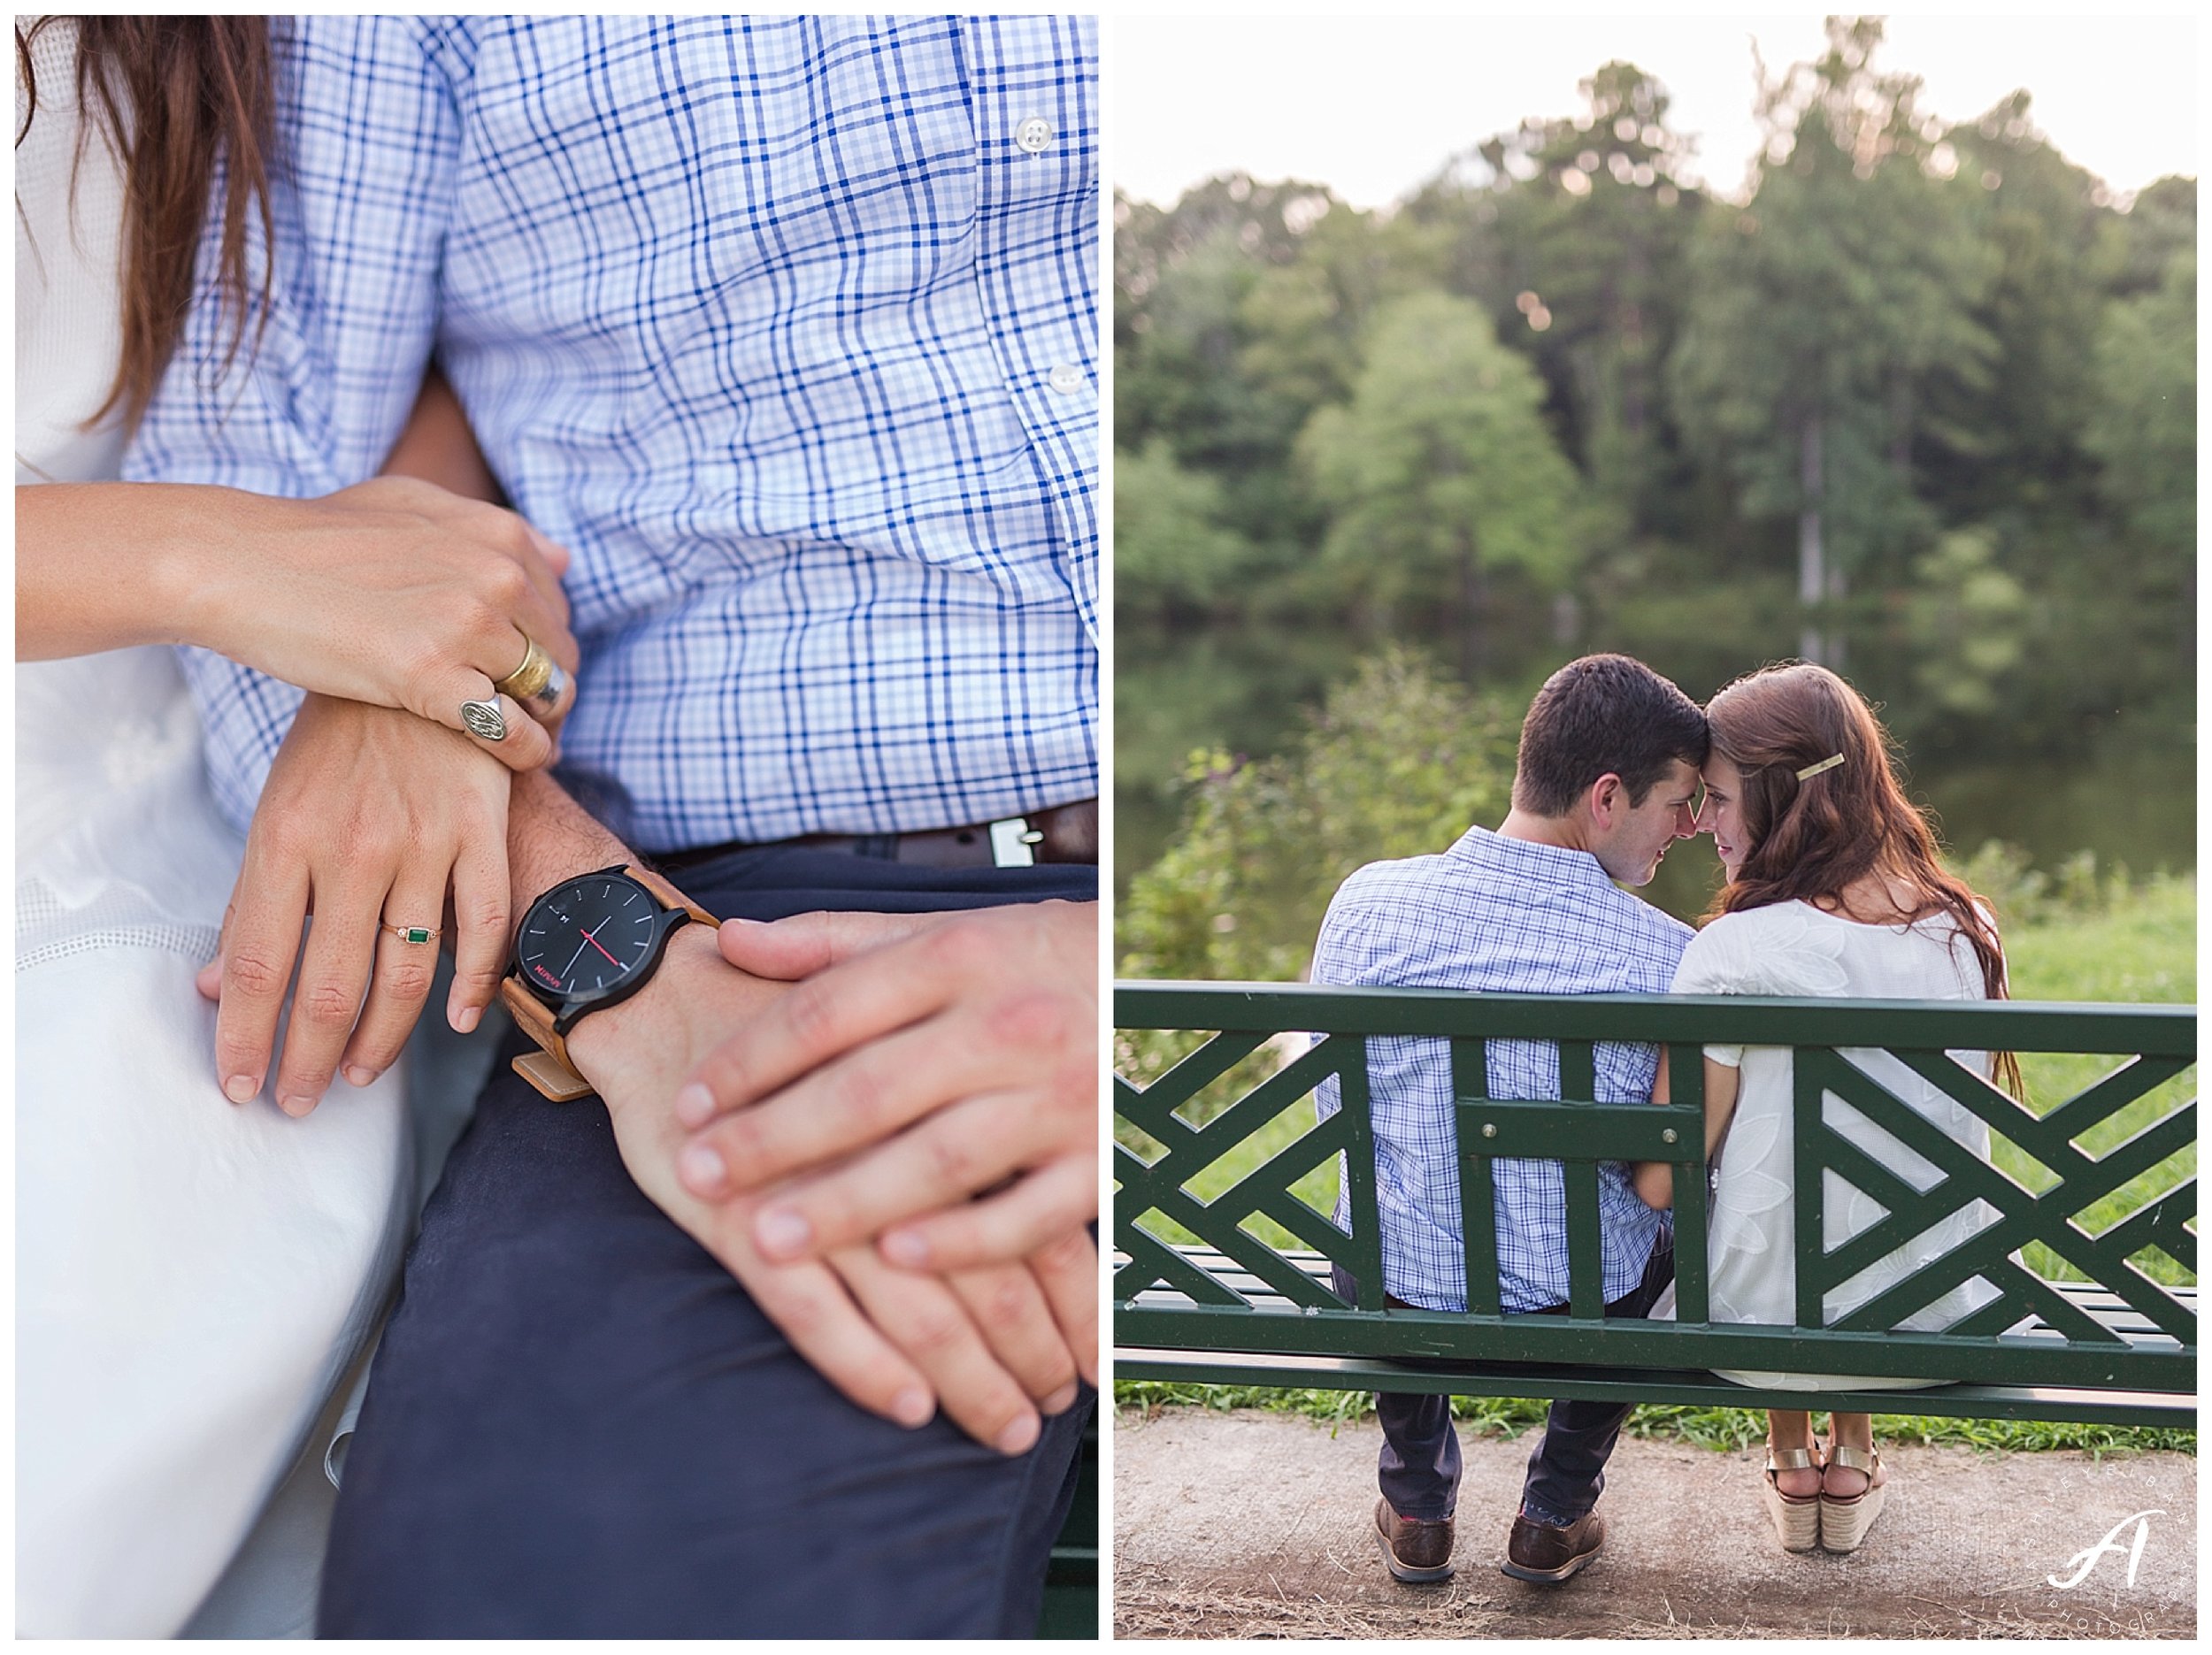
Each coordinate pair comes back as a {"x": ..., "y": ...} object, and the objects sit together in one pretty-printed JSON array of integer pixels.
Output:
[
  {"x": 116, "y": 833},
  {"x": 68, "y": 292},
  {"x": 192, "y": 1276},
  {"x": 1794, "y": 949}
]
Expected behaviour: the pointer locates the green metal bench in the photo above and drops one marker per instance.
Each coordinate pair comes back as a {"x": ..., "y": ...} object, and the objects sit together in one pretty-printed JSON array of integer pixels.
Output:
[
  {"x": 1071, "y": 1604},
  {"x": 1213, "y": 1170}
]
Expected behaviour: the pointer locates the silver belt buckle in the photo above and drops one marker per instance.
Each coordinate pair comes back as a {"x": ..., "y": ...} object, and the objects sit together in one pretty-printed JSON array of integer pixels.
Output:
[{"x": 1012, "y": 842}]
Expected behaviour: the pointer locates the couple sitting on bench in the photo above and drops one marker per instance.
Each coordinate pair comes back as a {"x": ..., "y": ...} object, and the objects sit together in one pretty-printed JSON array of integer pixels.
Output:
[{"x": 1833, "y": 889}]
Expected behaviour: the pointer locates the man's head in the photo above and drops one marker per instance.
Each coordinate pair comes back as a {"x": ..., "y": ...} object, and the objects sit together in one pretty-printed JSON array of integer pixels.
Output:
[{"x": 1611, "y": 751}]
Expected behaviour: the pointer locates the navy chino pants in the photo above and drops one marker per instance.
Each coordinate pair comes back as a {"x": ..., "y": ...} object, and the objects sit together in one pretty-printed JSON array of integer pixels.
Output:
[
  {"x": 579, "y": 1424},
  {"x": 1419, "y": 1464}
]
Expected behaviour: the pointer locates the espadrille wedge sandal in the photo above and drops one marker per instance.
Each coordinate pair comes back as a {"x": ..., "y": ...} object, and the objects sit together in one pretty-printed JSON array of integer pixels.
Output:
[
  {"x": 1844, "y": 1521},
  {"x": 1796, "y": 1516}
]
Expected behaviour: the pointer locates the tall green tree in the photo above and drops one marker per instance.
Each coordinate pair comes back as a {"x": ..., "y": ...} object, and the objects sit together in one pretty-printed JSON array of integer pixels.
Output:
[
  {"x": 1820, "y": 310},
  {"x": 1303, "y": 317},
  {"x": 1202, "y": 358},
  {"x": 2004, "y": 444},
  {"x": 2143, "y": 429},
  {"x": 1440, "y": 470},
  {"x": 1173, "y": 555},
  {"x": 1591, "y": 216},
  {"x": 2144, "y": 432}
]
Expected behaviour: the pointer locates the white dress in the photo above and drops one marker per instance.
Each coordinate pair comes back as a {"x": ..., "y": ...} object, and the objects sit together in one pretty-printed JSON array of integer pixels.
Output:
[
  {"x": 1794, "y": 949},
  {"x": 192, "y": 1276}
]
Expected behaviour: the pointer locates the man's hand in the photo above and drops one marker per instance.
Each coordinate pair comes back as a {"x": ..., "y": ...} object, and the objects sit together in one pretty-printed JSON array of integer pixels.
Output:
[
  {"x": 985, "y": 1344},
  {"x": 369, "y": 815},
  {"x": 932, "y": 1057}
]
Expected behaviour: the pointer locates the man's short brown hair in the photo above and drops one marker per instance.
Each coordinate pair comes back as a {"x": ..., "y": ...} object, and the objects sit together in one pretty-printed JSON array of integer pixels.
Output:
[{"x": 1600, "y": 713}]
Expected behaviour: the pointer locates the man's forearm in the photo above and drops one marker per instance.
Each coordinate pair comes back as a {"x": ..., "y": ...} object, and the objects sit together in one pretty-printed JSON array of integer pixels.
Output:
[
  {"x": 893, "y": 1341},
  {"x": 551, "y": 838}
]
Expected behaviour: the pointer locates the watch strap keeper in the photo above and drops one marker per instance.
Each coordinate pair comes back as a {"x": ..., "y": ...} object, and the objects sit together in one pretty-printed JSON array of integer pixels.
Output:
[{"x": 548, "y": 1069}]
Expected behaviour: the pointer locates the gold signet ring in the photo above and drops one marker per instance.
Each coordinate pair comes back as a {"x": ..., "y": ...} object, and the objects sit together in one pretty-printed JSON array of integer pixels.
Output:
[{"x": 538, "y": 681}]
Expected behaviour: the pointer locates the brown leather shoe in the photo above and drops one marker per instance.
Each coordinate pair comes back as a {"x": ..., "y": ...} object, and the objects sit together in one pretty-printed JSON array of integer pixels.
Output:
[
  {"x": 1537, "y": 1552},
  {"x": 1417, "y": 1550}
]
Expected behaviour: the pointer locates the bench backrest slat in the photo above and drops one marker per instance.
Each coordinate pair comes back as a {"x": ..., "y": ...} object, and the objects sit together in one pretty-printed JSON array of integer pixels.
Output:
[
  {"x": 1478, "y": 1187},
  {"x": 1685, "y": 1071}
]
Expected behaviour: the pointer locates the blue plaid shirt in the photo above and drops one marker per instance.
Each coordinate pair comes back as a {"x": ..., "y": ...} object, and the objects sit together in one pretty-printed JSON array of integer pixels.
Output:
[
  {"x": 788, "y": 328},
  {"x": 1501, "y": 916}
]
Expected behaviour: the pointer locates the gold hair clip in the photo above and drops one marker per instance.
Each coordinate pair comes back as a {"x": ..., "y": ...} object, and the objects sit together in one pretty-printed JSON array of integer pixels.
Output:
[{"x": 1811, "y": 770}]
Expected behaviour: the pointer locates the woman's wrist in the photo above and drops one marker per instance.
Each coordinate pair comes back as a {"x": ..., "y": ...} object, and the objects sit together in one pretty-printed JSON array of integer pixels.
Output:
[{"x": 193, "y": 551}]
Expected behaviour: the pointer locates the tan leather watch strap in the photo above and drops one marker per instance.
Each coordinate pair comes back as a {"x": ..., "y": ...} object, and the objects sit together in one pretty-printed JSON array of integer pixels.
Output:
[
  {"x": 548, "y": 1069},
  {"x": 668, "y": 895}
]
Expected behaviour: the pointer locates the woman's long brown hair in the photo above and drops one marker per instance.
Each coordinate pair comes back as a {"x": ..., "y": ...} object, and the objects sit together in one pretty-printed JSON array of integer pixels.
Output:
[
  {"x": 174, "y": 94},
  {"x": 1812, "y": 840}
]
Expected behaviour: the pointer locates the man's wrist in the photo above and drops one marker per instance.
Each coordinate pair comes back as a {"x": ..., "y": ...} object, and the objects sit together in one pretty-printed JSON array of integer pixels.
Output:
[
  {"x": 646, "y": 1022},
  {"x": 551, "y": 838}
]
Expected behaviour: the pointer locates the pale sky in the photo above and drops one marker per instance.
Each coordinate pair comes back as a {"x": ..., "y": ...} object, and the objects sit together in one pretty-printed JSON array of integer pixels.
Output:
[{"x": 1373, "y": 106}]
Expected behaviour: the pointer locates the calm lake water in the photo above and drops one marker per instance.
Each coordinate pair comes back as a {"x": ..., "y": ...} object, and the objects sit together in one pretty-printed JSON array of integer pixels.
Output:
[{"x": 2132, "y": 799}]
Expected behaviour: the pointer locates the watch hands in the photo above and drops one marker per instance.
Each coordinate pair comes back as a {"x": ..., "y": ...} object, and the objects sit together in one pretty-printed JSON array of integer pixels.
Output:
[{"x": 592, "y": 938}]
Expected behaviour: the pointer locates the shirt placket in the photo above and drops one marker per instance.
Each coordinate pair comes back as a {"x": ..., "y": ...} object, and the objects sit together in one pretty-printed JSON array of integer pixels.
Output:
[{"x": 1035, "y": 121}]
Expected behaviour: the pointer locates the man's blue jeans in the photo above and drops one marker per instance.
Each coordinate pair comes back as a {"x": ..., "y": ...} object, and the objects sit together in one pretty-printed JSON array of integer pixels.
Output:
[
  {"x": 1420, "y": 1465},
  {"x": 578, "y": 1425}
]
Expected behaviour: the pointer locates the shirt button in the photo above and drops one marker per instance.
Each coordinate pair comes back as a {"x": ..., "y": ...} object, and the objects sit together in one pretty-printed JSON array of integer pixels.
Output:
[
  {"x": 1066, "y": 379},
  {"x": 1034, "y": 135}
]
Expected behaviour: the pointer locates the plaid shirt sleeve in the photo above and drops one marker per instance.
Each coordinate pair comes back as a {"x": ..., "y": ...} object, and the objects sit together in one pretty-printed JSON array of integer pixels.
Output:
[
  {"x": 786, "y": 327},
  {"x": 313, "y": 402}
]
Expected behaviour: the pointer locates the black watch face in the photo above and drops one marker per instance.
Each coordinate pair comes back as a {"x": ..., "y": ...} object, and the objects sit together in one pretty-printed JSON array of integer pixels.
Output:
[{"x": 589, "y": 936}]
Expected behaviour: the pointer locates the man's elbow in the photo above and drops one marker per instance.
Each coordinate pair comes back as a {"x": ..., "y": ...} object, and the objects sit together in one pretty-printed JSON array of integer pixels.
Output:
[{"x": 1654, "y": 1181}]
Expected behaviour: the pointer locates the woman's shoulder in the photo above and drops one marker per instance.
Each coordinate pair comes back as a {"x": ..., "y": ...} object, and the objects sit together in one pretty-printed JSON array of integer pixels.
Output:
[
  {"x": 1779, "y": 925},
  {"x": 1778, "y": 949}
]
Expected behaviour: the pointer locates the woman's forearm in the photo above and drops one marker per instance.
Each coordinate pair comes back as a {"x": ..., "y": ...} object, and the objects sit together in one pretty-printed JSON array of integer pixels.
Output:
[
  {"x": 107, "y": 565},
  {"x": 1653, "y": 1180}
]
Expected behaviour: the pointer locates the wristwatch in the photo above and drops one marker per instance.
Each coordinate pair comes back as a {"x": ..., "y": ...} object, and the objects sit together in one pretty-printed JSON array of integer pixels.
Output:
[{"x": 586, "y": 944}]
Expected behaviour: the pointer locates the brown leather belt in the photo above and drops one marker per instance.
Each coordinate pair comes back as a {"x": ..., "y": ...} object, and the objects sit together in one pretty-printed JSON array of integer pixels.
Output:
[{"x": 1064, "y": 833}]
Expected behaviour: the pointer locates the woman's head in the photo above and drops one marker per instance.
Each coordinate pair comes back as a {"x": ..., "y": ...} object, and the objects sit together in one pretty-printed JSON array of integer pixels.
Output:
[
  {"x": 1803, "y": 804},
  {"x": 1779, "y": 821}
]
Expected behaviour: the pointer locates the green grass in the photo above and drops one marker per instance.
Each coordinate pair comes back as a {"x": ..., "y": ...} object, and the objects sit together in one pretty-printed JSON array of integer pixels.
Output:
[
  {"x": 2138, "y": 948},
  {"x": 2132, "y": 945},
  {"x": 1705, "y": 1427},
  {"x": 2119, "y": 943}
]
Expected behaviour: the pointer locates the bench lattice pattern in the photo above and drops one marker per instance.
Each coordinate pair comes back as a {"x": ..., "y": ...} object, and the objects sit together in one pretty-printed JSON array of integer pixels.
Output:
[{"x": 1225, "y": 1289}]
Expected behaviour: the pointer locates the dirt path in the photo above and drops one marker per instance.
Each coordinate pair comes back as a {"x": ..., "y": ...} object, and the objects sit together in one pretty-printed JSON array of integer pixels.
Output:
[{"x": 1257, "y": 1525}]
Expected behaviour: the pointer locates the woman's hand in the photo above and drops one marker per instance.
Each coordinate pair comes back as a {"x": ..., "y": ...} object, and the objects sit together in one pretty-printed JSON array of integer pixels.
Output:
[
  {"x": 393, "y": 593},
  {"x": 369, "y": 815}
]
